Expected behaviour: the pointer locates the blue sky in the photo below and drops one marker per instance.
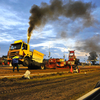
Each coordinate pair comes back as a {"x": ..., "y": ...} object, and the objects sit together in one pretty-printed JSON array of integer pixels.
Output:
[{"x": 58, "y": 35}]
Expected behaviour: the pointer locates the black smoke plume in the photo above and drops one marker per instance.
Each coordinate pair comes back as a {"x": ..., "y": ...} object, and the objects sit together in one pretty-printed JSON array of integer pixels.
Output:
[
  {"x": 93, "y": 57},
  {"x": 90, "y": 44},
  {"x": 73, "y": 9}
]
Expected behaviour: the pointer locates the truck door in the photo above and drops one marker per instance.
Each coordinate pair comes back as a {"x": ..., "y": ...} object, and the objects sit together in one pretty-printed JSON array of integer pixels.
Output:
[{"x": 25, "y": 49}]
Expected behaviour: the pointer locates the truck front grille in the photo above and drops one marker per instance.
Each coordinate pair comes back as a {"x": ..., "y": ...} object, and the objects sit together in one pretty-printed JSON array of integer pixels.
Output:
[{"x": 12, "y": 54}]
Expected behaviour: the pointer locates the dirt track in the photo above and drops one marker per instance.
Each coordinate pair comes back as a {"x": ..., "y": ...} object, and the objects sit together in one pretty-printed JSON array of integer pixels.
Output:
[
  {"x": 54, "y": 87},
  {"x": 7, "y": 71}
]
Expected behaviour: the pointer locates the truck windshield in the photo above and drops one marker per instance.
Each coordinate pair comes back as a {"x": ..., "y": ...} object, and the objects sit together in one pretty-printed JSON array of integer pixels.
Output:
[{"x": 15, "y": 46}]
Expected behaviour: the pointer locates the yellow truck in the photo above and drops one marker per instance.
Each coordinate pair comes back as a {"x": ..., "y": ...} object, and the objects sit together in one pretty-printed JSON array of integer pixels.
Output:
[{"x": 28, "y": 58}]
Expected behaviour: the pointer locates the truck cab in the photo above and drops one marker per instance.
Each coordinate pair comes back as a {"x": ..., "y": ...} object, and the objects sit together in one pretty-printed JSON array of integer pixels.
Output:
[{"x": 18, "y": 47}]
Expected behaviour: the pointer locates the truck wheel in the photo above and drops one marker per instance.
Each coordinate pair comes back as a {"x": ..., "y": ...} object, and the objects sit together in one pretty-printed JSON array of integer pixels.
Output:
[
  {"x": 74, "y": 67},
  {"x": 42, "y": 67},
  {"x": 26, "y": 62}
]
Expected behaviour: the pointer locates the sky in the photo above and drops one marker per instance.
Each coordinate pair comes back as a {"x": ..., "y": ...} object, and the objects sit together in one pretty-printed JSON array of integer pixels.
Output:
[{"x": 58, "y": 26}]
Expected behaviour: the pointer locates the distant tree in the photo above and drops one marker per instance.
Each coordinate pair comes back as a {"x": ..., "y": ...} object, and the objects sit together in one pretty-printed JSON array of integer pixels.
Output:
[{"x": 93, "y": 57}]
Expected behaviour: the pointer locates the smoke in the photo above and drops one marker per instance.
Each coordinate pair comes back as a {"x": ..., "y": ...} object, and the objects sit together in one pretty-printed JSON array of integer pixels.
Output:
[
  {"x": 93, "y": 57},
  {"x": 73, "y": 10},
  {"x": 91, "y": 44}
]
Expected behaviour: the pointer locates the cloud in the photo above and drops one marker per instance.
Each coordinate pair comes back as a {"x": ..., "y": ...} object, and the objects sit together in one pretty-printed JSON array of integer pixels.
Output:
[
  {"x": 9, "y": 18},
  {"x": 55, "y": 44},
  {"x": 4, "y": 37},
  {"x": 12, "y": 25},
  {"x": 88, "y": 45}
]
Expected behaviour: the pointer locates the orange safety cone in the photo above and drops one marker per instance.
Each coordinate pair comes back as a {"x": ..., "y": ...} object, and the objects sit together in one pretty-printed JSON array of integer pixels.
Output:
[{"x": 71, "y": 70}]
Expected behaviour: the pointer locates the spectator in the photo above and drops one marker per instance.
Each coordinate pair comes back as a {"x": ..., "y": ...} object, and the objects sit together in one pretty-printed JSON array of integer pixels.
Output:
[{"x": 15, "y": 61}]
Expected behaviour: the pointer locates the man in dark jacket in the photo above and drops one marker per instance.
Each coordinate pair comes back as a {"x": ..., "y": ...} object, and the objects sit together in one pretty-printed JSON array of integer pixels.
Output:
[{"x": 15, "y": 61}]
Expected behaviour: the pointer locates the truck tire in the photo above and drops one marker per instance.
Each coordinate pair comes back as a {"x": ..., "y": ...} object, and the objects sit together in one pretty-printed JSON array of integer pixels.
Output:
[
  {"x": 42, "y": 67},
  {"x": 74, "y": 67},
  {"x": 26, "y": 62}
]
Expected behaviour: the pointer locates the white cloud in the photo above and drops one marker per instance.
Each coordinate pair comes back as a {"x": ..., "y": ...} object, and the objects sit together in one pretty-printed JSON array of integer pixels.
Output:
[
  {"x": 43, "y": 33},
  {"x": 97, "y": 33},
  {"x": 4, "y": 37},
  {"x": 56, "y": 55},
  {"x": 41, "y": 44},
  {"x": 53, "y": 44},
  {"x": 10, "y": 18},
  {"x": 96, "y": 14},
  {"x": 78, "y": 53}
]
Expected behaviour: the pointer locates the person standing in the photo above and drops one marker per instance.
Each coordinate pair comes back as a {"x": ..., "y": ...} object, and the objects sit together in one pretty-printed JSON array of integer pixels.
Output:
[{"x": 15, "y": 61}]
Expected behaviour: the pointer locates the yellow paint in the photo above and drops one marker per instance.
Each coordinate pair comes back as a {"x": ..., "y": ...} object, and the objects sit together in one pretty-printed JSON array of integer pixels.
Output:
[
  {"x": 17, "y": 41},
  {"x": 37, "y": 56},
  {"x": 26, "y": 52},
  {"x": 61, "y": 60}
]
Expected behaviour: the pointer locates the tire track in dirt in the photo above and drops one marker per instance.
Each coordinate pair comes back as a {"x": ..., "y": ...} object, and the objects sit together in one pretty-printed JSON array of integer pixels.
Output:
[{"x": 20, "y": 89}]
